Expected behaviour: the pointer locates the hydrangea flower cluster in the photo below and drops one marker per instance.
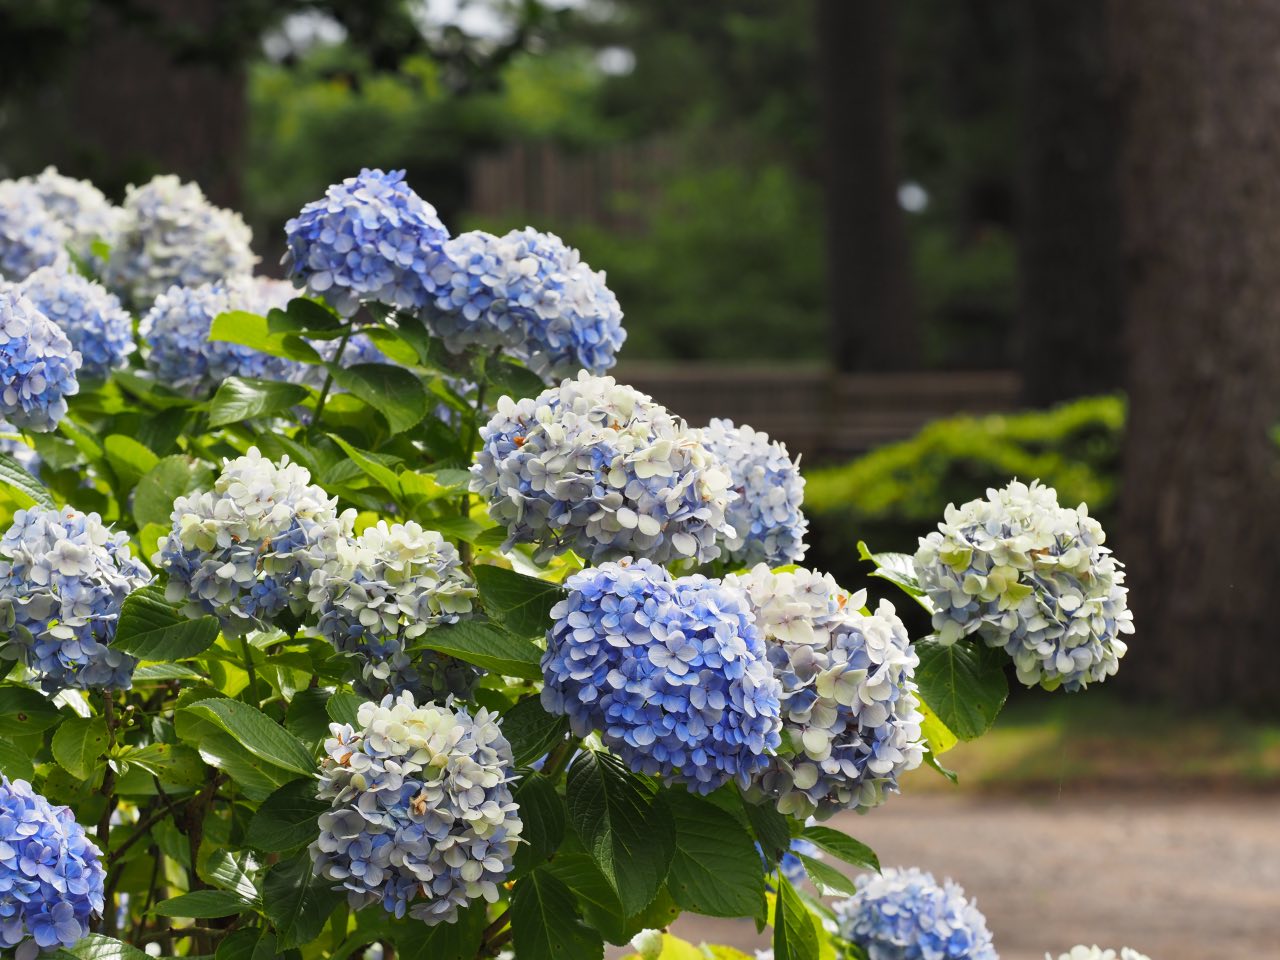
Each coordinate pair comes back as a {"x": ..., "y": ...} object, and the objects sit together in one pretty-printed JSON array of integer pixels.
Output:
[
  {"x": 599, "y": 468},
  {"x": 51, "y": 876},
  {"x": 170, "y": 235},
  {"x": 63, "y": 578},
  {"x": 421, "y": 815},
  {"x": 671, "y": 672},
  {"x": 850, "y": 716},
  {"x": 1032, "y": 578},
  {"x": 93, "y": 320},
  {"x": 905, "y": 914},
  {"x": 29, "y": 237},
  {"x": 37, "y": 365},
  {"x": 768, "y": 525},
  {"x": 386, "y": 589},
  {"x": 81, "y": 208},
  {"x": 1082, "y": 952},
  {"x": 530, "y": 293},
  {"x": 245, "y": 550},
  {"x": 182, "y": 356},
  {"x": 370, "y": 238}
]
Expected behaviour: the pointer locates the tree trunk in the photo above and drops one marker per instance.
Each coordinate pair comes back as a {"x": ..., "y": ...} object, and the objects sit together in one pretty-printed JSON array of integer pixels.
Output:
[
  {"x": 1071, "y": 283},
  {"x": 872, "y": 327},
  {"x": 1200, "y": 523}
]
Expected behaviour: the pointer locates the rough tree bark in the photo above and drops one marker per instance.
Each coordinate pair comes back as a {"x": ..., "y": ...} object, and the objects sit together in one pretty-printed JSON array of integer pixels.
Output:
[
  {"x": 872, "y": 326},
  {"x": 1200, "y": 526},
  {"x": 1070, "y": 276}
]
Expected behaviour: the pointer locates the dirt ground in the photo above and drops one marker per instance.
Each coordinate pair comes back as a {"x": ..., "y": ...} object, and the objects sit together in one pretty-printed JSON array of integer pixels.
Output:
[{"x": 1184, "y": 878}]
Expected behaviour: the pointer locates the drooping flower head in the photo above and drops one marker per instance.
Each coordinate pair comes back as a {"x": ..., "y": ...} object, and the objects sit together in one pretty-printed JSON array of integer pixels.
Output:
[
  {"x": 531, "y": 294},
  {"x": 244, "y": 551},
  {"x": 371, "y": 238},
  {"x": 421, "y": 816},
  {"x": 38, "y": 365},
  {"x": 170, "y": 235},
  {"x": 63, "y": 578},
  {"x": 671, "y": 672},
  {"x": 599, "y": 468},
  {"x": 1082, "y": 952},
  {"x": 1033, "y": 578},
  {"x": 768, "y": 525},
  {"x": 182, "y": 356},
  {"x": 905, "y": 914},
  {"x": 93, "y": 320},
  {"x": 51, "y": 875},
  {"x": 387, "y": 588},
  {"x": 30, "y": 237},
  {"x": 80, "y": 207},
  {"x": 850, "y": 716}
]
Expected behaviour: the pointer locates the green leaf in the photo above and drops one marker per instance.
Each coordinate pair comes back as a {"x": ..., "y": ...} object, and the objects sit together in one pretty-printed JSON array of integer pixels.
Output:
[
  {"x": 459, "y": 940},
  {"x": 794, "y": 934},
  {"x": 203, "y": 904},
  {"x": 97, "y": 947},
  {"x": 24, "y": 711},
  {"x": 512, "y": 379},
  {"x": 900, "y": 570},
  {"x": 963, "y": 684},
  {"x": 304, "y": 315},
  {"x": 716, "y": 869},
  {"x": 543, "y": 812},
  {"x": 256, "y": 732},
  {"x": 150, "y": 628},
  {"x": 599, "y": 904},
  {"x": 286, "y": 820},
  {"x": 382, "y": 475},
  {"x": 129, "y": 459},
  {"x": 933, "y": 763},
  {"x": 545, "y": 924},
  {"x": 521, "y": 604},
  {"x": 843, "y": 847},
  {"x": 623, "y": 824},
  {"x": 308, "y": 717},
  {"x": 253, "y": 331},
  {"x": 172, "y": 477},
  {"x": 486, "y": 646},
  {"x": 78, "y": 742},
  {"x": 935, "y": 732},
  {"x": 342, "y": 707},
  {"x": 531, "y": 731},
  {"x": 233, "y": 872},
  {"x": 394, "y": 392},
  {"x": 297, "y": 902},
  {"x": 771, "y": 828},
  {"x": 829, "y": 881},
  {"x": 240, "y": 399},
  {"x": 13, "y": 475},
  {"x": 172, "y": 763},
  {"x": 14, "y": 762},
  {"x": 238, "y": 945}
]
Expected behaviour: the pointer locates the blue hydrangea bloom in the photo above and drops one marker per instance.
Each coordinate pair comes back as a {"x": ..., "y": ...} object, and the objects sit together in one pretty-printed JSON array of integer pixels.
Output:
[
  {"x": 51, "y": 875},
  {"x": 671, "y": 672},
  {"x": 88, "y": 216},
  {"x": 905, "y": 914},
  {"x": 1032, "y": 578},
  {"x": 38, "y": 365},
  {"x": 531, "y": 294},
  {"x": 384, "y": 590},
  {"x": 63, "y": 577},
  {"x": 421, "y": 816},
  {"x": 768, "y": 525},
  {"x": 30, "y": 238},
  {"x": 245, "y": 550},
  {"x": 182, "y": 356},
  {"x": 370, "y": 239},
  {"x": 850, "y": 716},
  {"x": 600, "y": 469},
  {"x": 93, "y": 320}
]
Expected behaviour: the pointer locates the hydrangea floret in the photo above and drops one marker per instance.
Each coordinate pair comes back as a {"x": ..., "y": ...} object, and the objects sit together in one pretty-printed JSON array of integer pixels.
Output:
[
  {"x": 850, "y": 715},
  {"x": 1083, "y": 952},
  {"x": 905, "y": 914},
  {"x": 671, "y": 672},
  {"x": 170, "y": 235},
  {"x": 371, "y": 238},
  {"x": 30, "y": 238},
  {"x": 599, "y": 468},
  {"x": 1030, "y": 577},
  {"x": 768, "y": 524},
  {"x": 421, "y": 816},
  {"x": 63, "y": 578},
  {"x": 51, "y": 875},
  {"x": 84, "y": 210},
  {"x": 245, "y": 550},
  {"x": 531, "y": 294},
  {"x": 388, "y": 587},
  {"x": 91, "y": 317},
  {"x": 38, "y": 365}
]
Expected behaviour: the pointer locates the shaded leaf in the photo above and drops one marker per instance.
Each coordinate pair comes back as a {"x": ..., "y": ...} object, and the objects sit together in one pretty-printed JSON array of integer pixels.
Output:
[
  {"x": 531, "y": 731},
  {"x": 521, "y": 604},
  {"x": 297, "y": 901},
  {"x": 286, "y": 820},
  {"x": 203, "y": 904},
  {"x": 394, "y": 392},
  {"x": 150, "y": 628},
  {"x": 716, "y": 869},
  {"x": 963, "y": 684},
  {"x": 545, "y": 924},
  {"x": 486, "y": 646}
]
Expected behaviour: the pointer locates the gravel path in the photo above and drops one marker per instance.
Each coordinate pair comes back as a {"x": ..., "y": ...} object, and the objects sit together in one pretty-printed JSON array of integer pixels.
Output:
[{"x": 1182, "y": 879}]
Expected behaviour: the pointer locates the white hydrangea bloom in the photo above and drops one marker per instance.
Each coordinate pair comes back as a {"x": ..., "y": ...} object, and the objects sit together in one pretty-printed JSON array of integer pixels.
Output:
[{"x": 1082, "y": 952}]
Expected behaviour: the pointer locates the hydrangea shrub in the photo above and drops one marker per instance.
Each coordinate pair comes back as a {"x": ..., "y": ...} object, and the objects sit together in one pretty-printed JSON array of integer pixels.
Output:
[{"x": 364, "y": 614}]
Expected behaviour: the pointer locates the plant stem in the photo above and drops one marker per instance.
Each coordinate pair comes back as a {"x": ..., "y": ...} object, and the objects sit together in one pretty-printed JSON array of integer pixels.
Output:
[
  {"x": 248, "y": 666},
  {"x": 328, "y": 378},
  {"x": 473, "y": 434},
  {"x": 559, "y": 757},
  {"x": 108, "y": 775}
]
